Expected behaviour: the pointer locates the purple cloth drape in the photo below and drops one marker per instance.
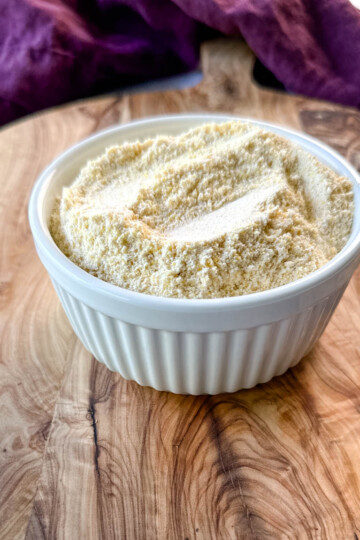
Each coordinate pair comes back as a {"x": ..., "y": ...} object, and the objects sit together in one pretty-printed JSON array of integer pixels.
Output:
[
  {"x": 312, "y": 46},
  {"x": 53, "y": 51}
]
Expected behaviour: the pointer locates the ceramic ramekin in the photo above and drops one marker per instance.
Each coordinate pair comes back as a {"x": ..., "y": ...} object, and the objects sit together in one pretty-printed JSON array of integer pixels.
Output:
[{"x": 181, "y": 345}]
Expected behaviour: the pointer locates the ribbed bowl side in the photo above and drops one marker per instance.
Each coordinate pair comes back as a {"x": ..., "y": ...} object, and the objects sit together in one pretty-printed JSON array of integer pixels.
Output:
[{"x": 198, "y": 363}]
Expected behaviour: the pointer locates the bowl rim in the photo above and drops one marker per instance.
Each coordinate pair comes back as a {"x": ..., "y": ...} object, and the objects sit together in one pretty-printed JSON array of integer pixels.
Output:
[{"x": 46, "y": 245}]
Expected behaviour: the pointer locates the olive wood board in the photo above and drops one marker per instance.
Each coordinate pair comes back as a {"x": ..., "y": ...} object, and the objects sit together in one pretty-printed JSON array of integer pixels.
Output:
[{"x": 87, "y": 454}]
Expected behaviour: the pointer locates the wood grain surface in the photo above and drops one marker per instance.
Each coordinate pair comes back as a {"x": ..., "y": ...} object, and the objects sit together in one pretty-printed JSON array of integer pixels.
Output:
[{"x": 86, "y": 454}]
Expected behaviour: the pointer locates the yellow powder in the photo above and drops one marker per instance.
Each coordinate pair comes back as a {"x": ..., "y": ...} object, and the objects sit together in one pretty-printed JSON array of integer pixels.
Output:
[{"x": 222, "y": 210}]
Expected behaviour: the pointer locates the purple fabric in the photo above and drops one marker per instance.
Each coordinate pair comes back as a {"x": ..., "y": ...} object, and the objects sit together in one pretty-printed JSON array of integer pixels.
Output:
[
  {"x": 312, "y": 46},
  {"x": 53, "y": 51}
]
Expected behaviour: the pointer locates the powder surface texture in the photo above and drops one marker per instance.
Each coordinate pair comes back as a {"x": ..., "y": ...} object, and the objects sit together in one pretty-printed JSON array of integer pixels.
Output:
[{"x": 222, "y": 210}]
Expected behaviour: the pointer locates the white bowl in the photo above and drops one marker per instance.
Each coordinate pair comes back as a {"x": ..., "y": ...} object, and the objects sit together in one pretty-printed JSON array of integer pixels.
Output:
[{"x": 182, "y": 345}]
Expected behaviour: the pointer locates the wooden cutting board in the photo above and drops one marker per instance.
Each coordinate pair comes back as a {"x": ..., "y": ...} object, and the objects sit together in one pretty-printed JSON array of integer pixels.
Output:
[{"x": 86, "y": 454}]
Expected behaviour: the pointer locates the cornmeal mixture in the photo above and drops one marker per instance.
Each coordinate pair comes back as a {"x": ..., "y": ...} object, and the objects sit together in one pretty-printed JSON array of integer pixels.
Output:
[{"x": 222, "y": 210}]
